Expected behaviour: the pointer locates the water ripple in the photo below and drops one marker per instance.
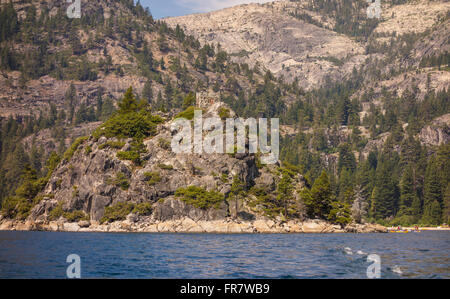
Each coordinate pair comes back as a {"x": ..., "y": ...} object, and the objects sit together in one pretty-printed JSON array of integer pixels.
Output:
[{"x": 43, "y": 255}]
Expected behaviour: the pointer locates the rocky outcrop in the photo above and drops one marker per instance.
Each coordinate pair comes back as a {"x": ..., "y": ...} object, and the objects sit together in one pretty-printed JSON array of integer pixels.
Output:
[
  {"x": 94, "y": 178},
  {"x": 436, "y": 133}
]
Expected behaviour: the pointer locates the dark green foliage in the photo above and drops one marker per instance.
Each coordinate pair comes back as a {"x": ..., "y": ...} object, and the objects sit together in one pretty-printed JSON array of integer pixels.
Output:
[
  {"x": 75, "y": 216},
  {"x": 9, "y": 24},
  {"x": 321, "y": 197},
  {"x": 439, "y": 60},
  {"x": 433, "y": 195},
  {"x": 340, "y": 213},
  {"x": 120, "y": 211},
  {"x": 112, "y": 144},
  {"x": 121, "y": 181},
  {"x": 285, "y": 191},
  {"x": 164, "y": 143},
  {"x": 408, "y": 194},
  {"x": 132, "y": 120},
  {"x": 152, "y": 178},
  {"x": 26, "y": 195},
  {"x": 188, "y": 101},
  {"x": 117, "y": 212},
  {"x": 384, "y": 193},
  {"x": 346, "y": 158},
  {"x": 73, "y": 148},
  {"x": 143, "y": 209},
  {"x": 224, "y": 113},
  {"x": 200, "y": 198},
  {"x": 237, "y": 191},
  {"x": 165, "y": 166},
  {"x": 134, "y": 124},
  {"x": 188, "y": 113},
  {"x": 134, "y": 153}
]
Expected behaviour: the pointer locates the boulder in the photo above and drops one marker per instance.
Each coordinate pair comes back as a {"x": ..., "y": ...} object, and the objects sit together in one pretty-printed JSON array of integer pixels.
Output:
[{"x": 84, "y": 223}]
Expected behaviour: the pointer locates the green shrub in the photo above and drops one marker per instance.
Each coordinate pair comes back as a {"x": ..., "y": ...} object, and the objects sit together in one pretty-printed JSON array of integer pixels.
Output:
[
  {"x": 120, "y": 180},
  {"x": 132, "y": 120},
  {"x": 88, "y": 150},
  {"x": 16, "y": 207},
  {"x": 56, "y": 213},
  {"x": 137, "y": 125},
  {"x": 130, "y": 155},
  {"x": 75, "y": 216},
  {"x": 73, "y": 148},
  {"x": 134, "y": 154},
  {"x": 265, "y": 202},
  {"x": 224, "y": 178},
  {"x": 224, "y": 113},
  {"x": 152, "y": 177},
  {"x": 188, "y": 113},
  {"x": 165, "y": 166},
  {"x": 164, "y": 143},
  {"x": 117, "y": 212},
  {"x": 143, "y": 209},
  {"x": 199, "y": 197},
  {"x": 26, "y": 195},
  {"x": 75, "y": 191},
  {"x": 112, "y": 144}
]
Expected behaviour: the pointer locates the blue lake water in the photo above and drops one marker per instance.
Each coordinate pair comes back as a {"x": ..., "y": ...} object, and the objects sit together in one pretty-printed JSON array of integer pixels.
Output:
[{"x": 43, "y": 255}]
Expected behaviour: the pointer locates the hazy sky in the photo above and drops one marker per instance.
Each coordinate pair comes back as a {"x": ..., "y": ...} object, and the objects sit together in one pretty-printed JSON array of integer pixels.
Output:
[{"x": 170, "y": 8}]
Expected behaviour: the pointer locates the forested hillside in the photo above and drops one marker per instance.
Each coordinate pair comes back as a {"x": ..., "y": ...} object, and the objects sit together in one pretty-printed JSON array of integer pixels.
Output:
[{"x": 372, "y": 144}]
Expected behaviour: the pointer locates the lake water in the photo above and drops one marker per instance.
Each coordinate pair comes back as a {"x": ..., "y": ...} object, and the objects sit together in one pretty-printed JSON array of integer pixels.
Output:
[{"x": 43, "y": 255}]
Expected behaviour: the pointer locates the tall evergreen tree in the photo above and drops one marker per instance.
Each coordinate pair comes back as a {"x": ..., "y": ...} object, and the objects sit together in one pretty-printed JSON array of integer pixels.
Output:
[
  {"x": 432, "y": 197},
  {"x": 322, "y": 196},
  {"x": 237, "y": 190},
  {"x": 383, "y": 194},
  {"x": 408, "y": 192},
  {"x": 285, "y": 191}
]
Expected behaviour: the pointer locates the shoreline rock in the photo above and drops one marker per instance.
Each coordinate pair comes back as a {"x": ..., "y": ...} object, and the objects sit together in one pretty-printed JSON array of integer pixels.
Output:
[{"x": 187, "y": 225}]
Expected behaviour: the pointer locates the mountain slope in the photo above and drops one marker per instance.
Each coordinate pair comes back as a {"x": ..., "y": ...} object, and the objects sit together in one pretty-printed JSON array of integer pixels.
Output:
[{"x": 268, "y": 35}]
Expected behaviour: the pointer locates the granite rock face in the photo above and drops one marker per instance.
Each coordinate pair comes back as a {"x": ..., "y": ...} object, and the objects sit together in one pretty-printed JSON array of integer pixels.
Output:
[
  {"x": 88, "y": 181},
  {"x": 266, "y": 34}
]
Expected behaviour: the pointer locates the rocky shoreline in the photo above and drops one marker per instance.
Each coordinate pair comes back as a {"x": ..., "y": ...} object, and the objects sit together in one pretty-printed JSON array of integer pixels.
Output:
[{"x": 187, "y": 225}]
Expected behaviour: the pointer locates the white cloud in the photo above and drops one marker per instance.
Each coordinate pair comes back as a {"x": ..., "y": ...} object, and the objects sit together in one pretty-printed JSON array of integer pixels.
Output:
[{"x": 209, "y": 5}]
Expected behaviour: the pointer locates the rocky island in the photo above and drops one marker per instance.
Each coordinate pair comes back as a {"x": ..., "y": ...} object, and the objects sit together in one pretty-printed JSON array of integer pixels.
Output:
[{"x": 115, "y": 181}]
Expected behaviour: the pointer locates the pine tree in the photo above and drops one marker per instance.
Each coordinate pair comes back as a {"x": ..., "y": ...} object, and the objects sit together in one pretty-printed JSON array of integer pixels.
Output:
[
  {"x": 306, "y": 197},
  {"x": 408, "y": 192},
  {"x": 432, "y": 194},
  {"x": 285, "y": 191},
  {"x": 128, "y": 102},
  {"x": 237, "y": 190},
  {"x": 321, "y": 195},
  {"x": 346, "y": 158},
  {"x": 360, "y": 205},
  {"x": 383, "y": 194},
  {"x": 446, "y": 214},
  {"x": 346, "y": 193},
  {"x": 147, "y": 92}
]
